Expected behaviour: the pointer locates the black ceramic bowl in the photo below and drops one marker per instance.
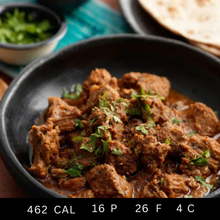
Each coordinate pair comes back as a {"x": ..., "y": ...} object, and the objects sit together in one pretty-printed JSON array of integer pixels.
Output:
[
  {"x": 191, "y": 72},
  {"x": 23, "y": 54}
]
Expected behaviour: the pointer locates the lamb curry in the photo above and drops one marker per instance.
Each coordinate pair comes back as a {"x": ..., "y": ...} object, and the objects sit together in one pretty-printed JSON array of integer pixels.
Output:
[{"x": 132, "y": 137}]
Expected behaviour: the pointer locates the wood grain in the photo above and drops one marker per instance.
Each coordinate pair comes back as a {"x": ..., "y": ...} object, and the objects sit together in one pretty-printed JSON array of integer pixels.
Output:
[{"x": 3, "y": 87}]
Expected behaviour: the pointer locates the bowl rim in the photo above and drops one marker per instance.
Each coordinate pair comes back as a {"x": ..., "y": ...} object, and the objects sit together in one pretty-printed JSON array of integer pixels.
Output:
[
  {"x": 56, "y": 37},
  {"x": 21, "y": 175}
]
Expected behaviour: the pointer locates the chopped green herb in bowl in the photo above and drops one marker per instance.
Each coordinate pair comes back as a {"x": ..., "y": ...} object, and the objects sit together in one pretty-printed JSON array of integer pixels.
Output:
[
  {"x": 28, "y": 31},
  {"x": 19, "y": 27}
]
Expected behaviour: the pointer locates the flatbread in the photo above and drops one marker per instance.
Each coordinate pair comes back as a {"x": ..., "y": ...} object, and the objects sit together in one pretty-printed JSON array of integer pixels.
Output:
[
  {"x": 211, "y": 49},
  {"x": 3, "y": 87},
  {"x": 196, "y": 20}
]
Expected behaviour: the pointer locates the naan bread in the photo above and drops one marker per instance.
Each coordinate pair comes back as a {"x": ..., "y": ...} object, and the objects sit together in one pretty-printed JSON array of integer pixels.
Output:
[
  {"x": 211, "y": 49},
  {"x": 196, "y": 20}
]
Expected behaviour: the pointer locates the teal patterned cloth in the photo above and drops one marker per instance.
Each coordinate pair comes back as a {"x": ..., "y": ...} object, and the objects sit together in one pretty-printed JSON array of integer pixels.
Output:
[{"x": 91, "y": 19}]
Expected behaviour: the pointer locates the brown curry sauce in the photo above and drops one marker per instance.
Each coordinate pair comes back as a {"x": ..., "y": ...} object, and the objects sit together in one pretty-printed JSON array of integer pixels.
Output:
[{"x": 140, "y": 180}]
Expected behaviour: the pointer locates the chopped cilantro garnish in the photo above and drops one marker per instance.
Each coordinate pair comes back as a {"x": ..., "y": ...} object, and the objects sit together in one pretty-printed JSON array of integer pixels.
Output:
[
  {"x": 105, "y": 147},
  {"x": 90, "y": 145},
  {"x": 116, "y": 118},
  {"x": 78, "y": 139},
  {"x": 103, "y": 102},
  {"x": 189, "y": 134},
  {"x": 175, "y": 120},
  {"x": 78, "y": 123},
  {"x": 150, "y": 92},
  {"x": 110, "y": 113},
  {"x": 147, "y": 109},
  {"x": 117, "y": 152},
  {"x": 133, "y": 93},
  {"x": 20, "y": 27},
  {"x": 142, "y": 91},
  {"x": 93, "y": 120},
  {"x": 142, "y": 128},
  {"x": 188, "y": 196},
  {"x": 75, "y": 158},
  {"x": 75, "y": 170},
  {"x": 202, "y": 159},
  {"x": 133, "y": 111},
  {"x": 204, "y": 183},
  {"x": 74, "y": 93},
  {"x": 167, "y": 141},
  {"x": 124, "y": 102}
]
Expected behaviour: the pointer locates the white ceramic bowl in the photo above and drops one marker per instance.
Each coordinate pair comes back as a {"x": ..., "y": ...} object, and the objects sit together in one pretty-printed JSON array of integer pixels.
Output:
[{"x": 23, "y": 54}]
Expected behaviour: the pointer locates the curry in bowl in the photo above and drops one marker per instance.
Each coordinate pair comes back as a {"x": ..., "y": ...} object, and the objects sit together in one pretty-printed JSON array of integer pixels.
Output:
[{"x": 132, "y": 137}]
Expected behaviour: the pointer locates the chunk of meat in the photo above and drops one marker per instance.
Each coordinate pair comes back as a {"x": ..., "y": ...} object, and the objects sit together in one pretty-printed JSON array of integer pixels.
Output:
[
  {"x": 79, "y": 102},
  {"x": 173, "y": 134},
  {"x": 203, "y": 143},
  {"x": 153, "y": 153},
  {"x": 174, "y": 185},
  {"x": 121, "y": 157},
  {"x": 84, "y": 157},
  {"x": 205, "y": 120},
  {"x": 96, "y": 93},
  {"x": 178, "y": 186},
  {"x": 58, "y": 173},
  {"x": 187, "y": 168},
  {"x": 152, "y": 188},
  {"x": 138, "y": 181},
  {"x": 88, "y": 193},
  {"x": 171, "y": 185},
  {"x": 130, "y": 128},
  {"x": 151, "y": 107},
  {"x": 106, "y": 183},
  {"x": 62, "y": 114},
  {"x": 159, "y": 112},
  {"x": 99, "y": 77},
  {"x": 73, "y": 184},
  {"x": 108, "y": 116},
  {"x": 150, "y": 83},
  {"x": 45, "y": 141}
]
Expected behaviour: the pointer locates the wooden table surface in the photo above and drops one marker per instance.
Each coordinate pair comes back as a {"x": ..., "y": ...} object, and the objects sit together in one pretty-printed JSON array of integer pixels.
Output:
[{"x": 8, "y": 187}]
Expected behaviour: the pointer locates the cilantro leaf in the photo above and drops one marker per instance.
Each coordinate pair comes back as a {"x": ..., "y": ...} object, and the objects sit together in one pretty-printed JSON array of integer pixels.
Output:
[
  {"x": 175, "y": 120},
  {"x": 133, "y": 111},
  {"x": 147, "y": 109},
  {"x": 117, "y": 152},
  {"x": 167, "y": 141},
  {"x": 75, "y": 170},
  {"x": 190, "y": 134},
  {"x": 105, "y": 147},
  {"x": 142, "y": 91},
  {"x": 93, "y": 120},
  {"x": 133, "y": 93},
  {"x": 204, "y": 183},
  {"x": 78, "y": 123},
  {"x": 78, "y": 139},
  {"x": 90, "y": 145},
  {"x": 103, "y": 102},
  {"x": 202, "y": 159},
  {"x": 142, "y": 128},
  {"x": 75, "y": 92}
]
